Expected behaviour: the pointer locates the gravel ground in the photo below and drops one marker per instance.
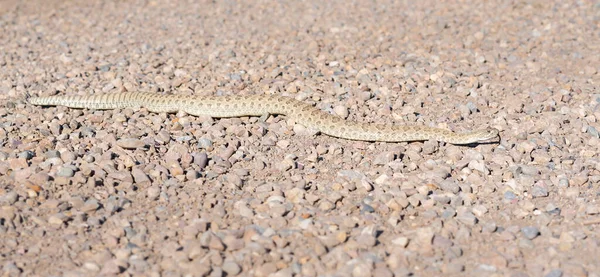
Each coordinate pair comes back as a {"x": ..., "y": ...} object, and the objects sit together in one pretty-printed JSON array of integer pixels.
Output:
[{"x": 133, "y": 193}]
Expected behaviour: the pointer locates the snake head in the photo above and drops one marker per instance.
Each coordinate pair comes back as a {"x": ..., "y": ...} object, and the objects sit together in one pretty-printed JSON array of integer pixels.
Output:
[{"x": 487, "y": 134}]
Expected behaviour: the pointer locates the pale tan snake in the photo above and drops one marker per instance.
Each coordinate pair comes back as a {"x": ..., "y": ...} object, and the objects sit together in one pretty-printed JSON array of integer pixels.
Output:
[{"x": 258, "y": 105}]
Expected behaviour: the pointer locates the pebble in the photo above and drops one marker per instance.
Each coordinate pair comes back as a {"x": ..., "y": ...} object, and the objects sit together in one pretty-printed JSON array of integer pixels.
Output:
[
  {"x": 231, "y": 268},
  {"x": 466, "y": 218},
  {"x": 341, "y": 111},
  {"x": 65, "y": 172},
  {"x": 489, "y": 227},
  {"x": 153, "y": 192},
  {"x": 382, "y": 272},
  {"x": 205, "y": 143},
  {"x": 196, "y": 268},
  {"x": 295, "y": 195},
  {"x": 10, "y": 268},
  {"x": 529, "y": 170},
  {"x": 232, "y": 243},
  {"x": 130, "y": 143},
  {"x": 400, "y": 241},
  {"x": 91, "y": 266},
  {"x": 351, "y": 175},
  {"x": 9, "y": 198},
  {"x": 90, "y": 205},
  {"x": 362, "y": 269},
  {"x": 52, "y": 154},
  {"x": 139, "y": 176},
  {"x": 265, "y": 269},
  {"x": 454, "y": 268},
  {"x": 539, "y": 191},
  {"x": 554, "y": 273},
  {"x": 201, "y": 159},
  {"x": 592, "y": 210},
  {"x": 326, "y": 205},
  {"x": 450, "y": 186},
  {"x": 593, "y": 132},
  {"x": 27, "y": 155},
  {"x": 113, "y": 267},
  {"x": 509, "y": 195},
  {"x": 530, "y": 232},
  {"x": 448, "y": 213},
  {"x": 57, "y": 219},
  {"x": 479, "y": 210},
  {"x": 365, "y": 208},
  {"x": 477, "y": 165}
]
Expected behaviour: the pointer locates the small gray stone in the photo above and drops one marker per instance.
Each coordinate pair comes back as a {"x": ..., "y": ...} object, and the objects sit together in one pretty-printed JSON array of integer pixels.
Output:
[
  {"x": 90, "y": 205},
  {"x": 130, "y": 143},
  {"x": 216, "y": 272},
  {"x": 65, "y": 172},
  {"x": 112, "y": 267},
  {"x": 525, "y": 243},
  {"x": 450, "y": 186},
  {"x": 105, "y": 68},
  {"x": 200, "y": 268},
  {"x": 87, "y": 132},
  {"x": 366, "y": 209},
  {"x": 89, "y": 158},
  {"x": 448, "y": 213},
  {"x": 115, "y": 203},
  {"x": 184, "y": 138},
  {"x": 530, "y": 232},
  {"x": 91, "y": 266},
  {"x": 9, "y": 198},
  {"x": 52, "y": 154},
  {"x": 472, "y": 107},
  {"x": 27, "y": 155},
  {"x": 592, "y": 131},
  {"x": 57, "y": 219},
  {"x": 509, "y": 195},
  {"x": 351, "y": 175},
  {"x": 490, "y": 227},
  {"x": 362, "y": 269},
  {"x": 539, "y": 191},
  {"x": 479, "y": 210},
  {"x": 231, "y": 268},
  {"x": 232, "y": 244},
  {"x": 200, "y": 159},
  {"x": 400, "y": 241},
  {"x": 153, "y": 192},
  {"x": 265, "y": 269},
  {"x": 467, "y": 218},
  {"x": 205, "y": 143},
  {"x": 326, "y": 205},
  {"x": 442, "y": 242},
  {"x": 11, "y": 269},
  {"x": 554, "y": 273},
  {"x": 454, "y": 268},
  {"x": 552, "y": 209},
  {"x": 216, "y": 243},
  {"x": 139, "y": 176},
  {"x": 366, "y": 240}
]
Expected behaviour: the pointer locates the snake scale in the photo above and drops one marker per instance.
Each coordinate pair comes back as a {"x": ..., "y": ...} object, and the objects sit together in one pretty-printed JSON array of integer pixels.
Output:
[{"x": 258, "y": 105}]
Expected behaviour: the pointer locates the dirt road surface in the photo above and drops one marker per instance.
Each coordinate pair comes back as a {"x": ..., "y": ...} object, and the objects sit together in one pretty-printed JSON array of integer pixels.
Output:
[{"x": 132, "y": 193}]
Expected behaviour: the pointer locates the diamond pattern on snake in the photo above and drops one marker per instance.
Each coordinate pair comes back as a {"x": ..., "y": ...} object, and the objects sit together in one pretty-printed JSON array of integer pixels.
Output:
[{"x": 258, "y": 105}]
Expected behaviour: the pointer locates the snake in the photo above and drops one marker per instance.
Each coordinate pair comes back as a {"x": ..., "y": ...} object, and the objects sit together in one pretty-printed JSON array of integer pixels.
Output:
[{"x": 263, "y": 104}]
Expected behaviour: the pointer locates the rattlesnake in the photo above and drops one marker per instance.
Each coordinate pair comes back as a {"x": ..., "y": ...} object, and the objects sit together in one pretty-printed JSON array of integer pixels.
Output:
[{"x": 258, "y": 105}]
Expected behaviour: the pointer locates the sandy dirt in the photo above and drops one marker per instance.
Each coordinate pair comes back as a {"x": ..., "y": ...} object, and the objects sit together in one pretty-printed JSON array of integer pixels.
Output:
[{"x": 133, "y": 193}]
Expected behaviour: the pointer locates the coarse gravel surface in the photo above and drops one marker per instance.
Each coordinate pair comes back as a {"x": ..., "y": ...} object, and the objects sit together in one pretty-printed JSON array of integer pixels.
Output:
[{"x": 133, "y": 193}]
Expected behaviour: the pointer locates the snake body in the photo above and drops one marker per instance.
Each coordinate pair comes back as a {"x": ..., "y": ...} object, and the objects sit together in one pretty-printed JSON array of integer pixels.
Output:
[{"x": 258, "y": 105}]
